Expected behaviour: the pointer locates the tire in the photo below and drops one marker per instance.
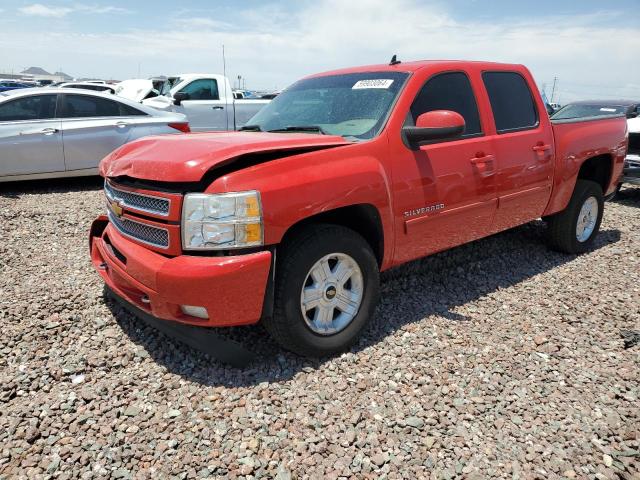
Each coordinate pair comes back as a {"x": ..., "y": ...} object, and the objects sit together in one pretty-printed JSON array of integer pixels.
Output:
[
  {"x": 311, "y": 247},
  {"x": 563, "y": 232}
]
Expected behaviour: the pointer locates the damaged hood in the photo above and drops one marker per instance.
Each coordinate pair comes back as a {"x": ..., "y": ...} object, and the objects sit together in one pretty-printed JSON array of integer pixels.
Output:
[
  {"x": 186, "y": 158},
  {"x": 135, "y": 89}
]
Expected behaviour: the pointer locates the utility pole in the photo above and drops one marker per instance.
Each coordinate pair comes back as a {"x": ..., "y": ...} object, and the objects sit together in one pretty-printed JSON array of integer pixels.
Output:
[{"x": 553, "y": 90}]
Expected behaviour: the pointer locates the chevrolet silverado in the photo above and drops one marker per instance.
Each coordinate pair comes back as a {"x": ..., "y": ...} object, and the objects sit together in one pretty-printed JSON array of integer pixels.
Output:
[{"x": 343, "y": 175}]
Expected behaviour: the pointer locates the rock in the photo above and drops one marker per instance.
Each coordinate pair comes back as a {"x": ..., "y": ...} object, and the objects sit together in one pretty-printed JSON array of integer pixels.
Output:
[{"x": 414, "y": 422}]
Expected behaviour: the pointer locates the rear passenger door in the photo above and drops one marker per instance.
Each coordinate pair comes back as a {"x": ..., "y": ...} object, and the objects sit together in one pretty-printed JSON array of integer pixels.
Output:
[
  {"x": 30, "y": 136},
  {"x": 523, "y": 146},
  {"x": 92, "y": 127}
]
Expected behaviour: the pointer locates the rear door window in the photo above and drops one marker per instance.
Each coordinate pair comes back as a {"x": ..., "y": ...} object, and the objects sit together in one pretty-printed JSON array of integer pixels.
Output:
[
  {"x": 511, "y": 101},
  {"x": 36, "y": 107},
  {"x": 449, "y": 91},
  {"x": 82, "y": 106}
]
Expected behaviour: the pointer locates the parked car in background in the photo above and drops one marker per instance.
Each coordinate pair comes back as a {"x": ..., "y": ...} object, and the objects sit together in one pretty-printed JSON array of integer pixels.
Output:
[
  {"x": 207, "y": 100},
  {"x": 92, "y": 85},
  {"x": 345, "y": 174},
  {"x": 137, "y": 89},
  {"x": 629, "y": 108},
  {"x": 598, "y": 108},
  {"x": 7, "y": 85},
  {"x": 60, "y": 132}
]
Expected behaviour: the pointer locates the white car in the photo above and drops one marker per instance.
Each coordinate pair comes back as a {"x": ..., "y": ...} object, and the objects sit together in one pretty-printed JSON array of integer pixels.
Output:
[
  {"x": 207, "y": 100},
  {"x": 95, "y": 86},
  {"x": 62, "y": 132}
]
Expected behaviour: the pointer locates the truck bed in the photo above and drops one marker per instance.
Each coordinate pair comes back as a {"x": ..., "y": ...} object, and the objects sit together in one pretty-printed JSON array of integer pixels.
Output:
[{"x": 577, "y": 139}]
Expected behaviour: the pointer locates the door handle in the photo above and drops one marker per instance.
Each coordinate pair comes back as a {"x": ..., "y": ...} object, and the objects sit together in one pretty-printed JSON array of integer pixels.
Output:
[
  {"x": 541, "y": 150},
  {"x": 483, "y": 164},
  {"x": 540, "y": 147},
  {"x": 482, "y": 159},
  {"x": 217, "y": 108},
  {"x": 44, "y": 131},
  {"x": 122, "y": 124}
]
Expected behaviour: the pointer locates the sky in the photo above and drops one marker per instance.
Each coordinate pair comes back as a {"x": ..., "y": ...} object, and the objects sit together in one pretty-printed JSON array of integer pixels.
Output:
[{"x": 590, "y": 47}]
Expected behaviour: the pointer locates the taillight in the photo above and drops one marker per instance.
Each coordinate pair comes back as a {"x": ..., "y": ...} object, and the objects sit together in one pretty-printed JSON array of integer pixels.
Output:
[{"x": 183, "y": 127}]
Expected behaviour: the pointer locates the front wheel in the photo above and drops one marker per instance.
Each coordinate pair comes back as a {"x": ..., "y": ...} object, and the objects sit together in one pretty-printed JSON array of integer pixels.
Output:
[
  {"x": 327, "y": 287},
  {"x": 574, "y": 229}
]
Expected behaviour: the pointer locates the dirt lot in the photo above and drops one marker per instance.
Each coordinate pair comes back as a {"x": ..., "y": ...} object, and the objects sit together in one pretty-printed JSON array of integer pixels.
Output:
[{"x": 497, "y": 359}]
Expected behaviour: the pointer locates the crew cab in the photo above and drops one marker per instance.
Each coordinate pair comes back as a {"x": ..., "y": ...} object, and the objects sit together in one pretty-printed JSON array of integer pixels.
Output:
[
  {"x": 207, "y": 100},
  {"x": 343, "y": 175}
]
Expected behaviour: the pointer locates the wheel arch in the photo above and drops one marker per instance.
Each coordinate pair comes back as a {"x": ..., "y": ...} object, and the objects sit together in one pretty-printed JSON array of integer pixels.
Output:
[
  {"x": 599, "y": 169},
  {"x": 362, "y": 218}
]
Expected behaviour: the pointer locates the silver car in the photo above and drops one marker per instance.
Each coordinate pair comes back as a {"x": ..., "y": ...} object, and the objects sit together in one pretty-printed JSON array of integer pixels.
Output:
[{"x": 61, "y": 132}]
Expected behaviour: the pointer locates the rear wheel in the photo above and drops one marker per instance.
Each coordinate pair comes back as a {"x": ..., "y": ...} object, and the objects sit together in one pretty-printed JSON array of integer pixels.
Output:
[
  {"x": 574, "y": 229},
  {"x": 326, "y": 290}
]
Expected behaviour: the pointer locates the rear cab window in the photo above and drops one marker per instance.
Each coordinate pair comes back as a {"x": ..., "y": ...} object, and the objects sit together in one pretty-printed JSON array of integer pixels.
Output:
[{"x": 511, "y": 100}]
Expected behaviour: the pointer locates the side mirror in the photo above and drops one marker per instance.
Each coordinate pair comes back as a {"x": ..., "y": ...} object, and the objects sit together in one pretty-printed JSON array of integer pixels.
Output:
[
  {"x": 632, "y": 115},
  {"x": 180, "y": 97},
  {"x": 434, "y": 125}
]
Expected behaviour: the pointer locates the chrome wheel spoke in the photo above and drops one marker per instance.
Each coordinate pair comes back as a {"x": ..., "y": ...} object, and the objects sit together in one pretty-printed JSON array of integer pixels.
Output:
[
  {"x": 321, "y": 271},
  {"x": 311, "y": 297},
  {"x": 342, "y": 272},
  {"x": 324, "y": 316},
  {"x": 345, "y": 303}
]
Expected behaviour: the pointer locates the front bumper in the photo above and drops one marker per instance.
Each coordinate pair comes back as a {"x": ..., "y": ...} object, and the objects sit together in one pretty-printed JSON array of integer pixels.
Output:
[
  {"x": 631, "y": 172},
  {"x": 231, "y": 288}
]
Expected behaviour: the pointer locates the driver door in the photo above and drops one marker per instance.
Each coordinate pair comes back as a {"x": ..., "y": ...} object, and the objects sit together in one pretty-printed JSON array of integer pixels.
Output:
[
  {"x": 445, "y": 191},
  {"x": 203, "y": 107}
]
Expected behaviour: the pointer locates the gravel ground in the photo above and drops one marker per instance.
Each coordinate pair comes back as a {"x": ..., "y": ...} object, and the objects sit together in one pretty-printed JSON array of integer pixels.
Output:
[{"x": 497, "y": 359}]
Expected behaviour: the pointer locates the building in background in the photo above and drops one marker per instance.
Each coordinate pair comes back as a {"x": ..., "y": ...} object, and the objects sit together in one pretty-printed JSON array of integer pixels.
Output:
[{"x": 37, "y": 74}]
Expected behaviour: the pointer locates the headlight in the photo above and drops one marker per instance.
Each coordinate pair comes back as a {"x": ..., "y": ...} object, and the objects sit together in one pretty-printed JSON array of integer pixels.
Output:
[{"x": 221, "y": 221}]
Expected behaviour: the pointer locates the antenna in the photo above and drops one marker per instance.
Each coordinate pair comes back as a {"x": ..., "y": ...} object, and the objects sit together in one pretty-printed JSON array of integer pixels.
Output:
[
  {"x": 553, "y": 90},
  {"x": 224, "y": 72},
  {"x": 394, "y": 60}
]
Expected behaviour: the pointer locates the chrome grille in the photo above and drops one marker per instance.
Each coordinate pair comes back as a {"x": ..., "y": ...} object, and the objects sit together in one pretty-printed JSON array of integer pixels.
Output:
[
  {"x": 138, "y": 201},
  {"x": 157, "y": 237}
]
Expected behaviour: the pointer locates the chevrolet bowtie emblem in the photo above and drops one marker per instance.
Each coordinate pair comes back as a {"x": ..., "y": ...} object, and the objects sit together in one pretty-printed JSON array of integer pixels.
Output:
[{"x": 116, "y": 208}]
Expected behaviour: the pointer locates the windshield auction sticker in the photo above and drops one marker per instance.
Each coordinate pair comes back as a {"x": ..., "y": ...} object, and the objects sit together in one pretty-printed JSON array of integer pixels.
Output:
[{"x": 373, "y": 83}]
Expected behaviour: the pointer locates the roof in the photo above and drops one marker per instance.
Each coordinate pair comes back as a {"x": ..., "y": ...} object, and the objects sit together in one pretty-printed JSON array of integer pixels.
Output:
[
  {"x": 411, "y": 66},
  {"x": 78, "y": 91}
]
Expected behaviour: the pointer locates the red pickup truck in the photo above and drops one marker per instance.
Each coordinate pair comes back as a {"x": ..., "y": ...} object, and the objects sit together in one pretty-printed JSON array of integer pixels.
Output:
[{"x": 343, "y": 175}]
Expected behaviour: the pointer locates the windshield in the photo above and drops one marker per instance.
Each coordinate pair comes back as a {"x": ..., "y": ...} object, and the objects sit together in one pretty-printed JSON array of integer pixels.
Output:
[
  {"x": 595, "y": 110},
  {"x": 352, "y": 105}
]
